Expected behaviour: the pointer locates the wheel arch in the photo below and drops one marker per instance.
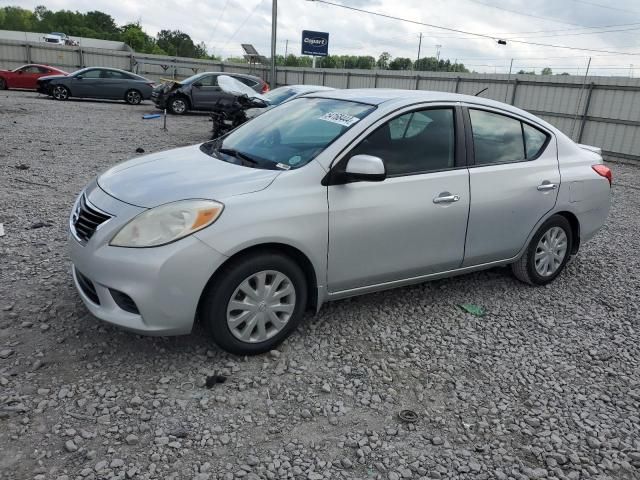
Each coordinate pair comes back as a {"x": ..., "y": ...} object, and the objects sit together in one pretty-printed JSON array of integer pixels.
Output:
[
  {"x": 575, "y": 229},
  {"x": 292, "y": 252}
]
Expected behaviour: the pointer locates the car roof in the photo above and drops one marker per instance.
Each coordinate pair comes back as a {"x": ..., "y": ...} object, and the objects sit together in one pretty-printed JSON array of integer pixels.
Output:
[
  {"x": 380, "y": 96},
  {"x": 307, "y": 88}
]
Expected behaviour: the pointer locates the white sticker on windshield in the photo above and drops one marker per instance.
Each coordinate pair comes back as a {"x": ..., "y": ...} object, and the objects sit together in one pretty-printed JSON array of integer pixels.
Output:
[{"x": 339, "y": 118}]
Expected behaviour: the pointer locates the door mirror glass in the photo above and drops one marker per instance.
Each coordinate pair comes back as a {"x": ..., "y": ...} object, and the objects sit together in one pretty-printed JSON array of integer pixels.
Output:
[
  {"x": 197, "y": 84},
  {"x": 365, "y": 168}
]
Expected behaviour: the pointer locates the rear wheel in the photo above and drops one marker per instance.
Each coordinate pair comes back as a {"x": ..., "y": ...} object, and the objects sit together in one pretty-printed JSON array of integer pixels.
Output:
[
  {"x": 133, "y": 97},
  {"x": 255, "y": 303},
  {"x": 60, "y": 92},
  {"x": 178, "y": 105},
  {"x": 547, "y": 253},
  {"x": 3, "y": 84}
]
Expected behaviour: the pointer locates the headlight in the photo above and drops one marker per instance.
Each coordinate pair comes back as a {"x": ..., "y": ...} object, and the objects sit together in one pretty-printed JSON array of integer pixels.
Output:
[{"x": 167, "y": 223}]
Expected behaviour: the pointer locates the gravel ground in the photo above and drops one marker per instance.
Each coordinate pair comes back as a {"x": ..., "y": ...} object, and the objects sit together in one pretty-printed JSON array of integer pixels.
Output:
[{"x": 546, "y": 385}]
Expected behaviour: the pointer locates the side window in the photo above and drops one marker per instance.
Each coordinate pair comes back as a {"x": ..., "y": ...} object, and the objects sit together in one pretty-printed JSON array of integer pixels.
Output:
[
  {"x": 534, "y": 140},
  {"x": 92, "y": 74},
  {"x": 209, "y": 81},
  {"x": 43, "y": 70},
  {"x": 496, "y": 138},
  {"x": 416, "y": 142},
  {"x": 114, "y": 75}
]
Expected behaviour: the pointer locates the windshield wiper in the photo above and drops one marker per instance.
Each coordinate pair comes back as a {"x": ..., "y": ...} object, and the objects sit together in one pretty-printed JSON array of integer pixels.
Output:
[{"x": 242, "y": 156}]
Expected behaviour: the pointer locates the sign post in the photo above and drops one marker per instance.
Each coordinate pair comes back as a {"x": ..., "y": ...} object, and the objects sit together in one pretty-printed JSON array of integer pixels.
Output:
[{"x": 315, "y": 44}]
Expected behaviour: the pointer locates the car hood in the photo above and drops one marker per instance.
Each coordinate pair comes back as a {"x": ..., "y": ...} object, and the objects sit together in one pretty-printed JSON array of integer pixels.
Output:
[
  {"x": 180, "y": 174},
  {"x": 51, "y": 77}
]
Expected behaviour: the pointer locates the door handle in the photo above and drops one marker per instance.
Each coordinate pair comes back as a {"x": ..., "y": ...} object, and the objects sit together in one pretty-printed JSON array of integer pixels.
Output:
[
  {"x": 547, "y": 186},
  {"x": 446, "y": 198}
]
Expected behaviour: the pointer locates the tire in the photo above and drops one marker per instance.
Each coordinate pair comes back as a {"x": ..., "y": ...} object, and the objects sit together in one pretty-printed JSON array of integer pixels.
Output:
[
  {"x": 133, "y": 97},
  {"x": 60, "y": 92},
  {"x": 226, "y": 325},
  {"x": 178, "y": 105},
  {"x": 538, "y": 266},
  {"x": 3, "y": 84}
]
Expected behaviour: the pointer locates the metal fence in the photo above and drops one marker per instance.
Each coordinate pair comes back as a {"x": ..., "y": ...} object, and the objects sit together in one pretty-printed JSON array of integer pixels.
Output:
[{"x": 601, "y": 111}]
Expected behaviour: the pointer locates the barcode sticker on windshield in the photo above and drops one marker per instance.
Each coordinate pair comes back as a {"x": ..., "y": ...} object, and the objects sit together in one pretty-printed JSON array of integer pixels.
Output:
[{"x": 339, "y": 118}]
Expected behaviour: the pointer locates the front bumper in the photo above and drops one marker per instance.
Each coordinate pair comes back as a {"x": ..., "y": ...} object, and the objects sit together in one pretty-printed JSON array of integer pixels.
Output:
[{"x": 163, "y": 283}]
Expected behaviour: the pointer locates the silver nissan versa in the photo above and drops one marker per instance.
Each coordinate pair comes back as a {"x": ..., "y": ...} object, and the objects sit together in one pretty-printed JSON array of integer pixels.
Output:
[{"x": 334, "y": 194}]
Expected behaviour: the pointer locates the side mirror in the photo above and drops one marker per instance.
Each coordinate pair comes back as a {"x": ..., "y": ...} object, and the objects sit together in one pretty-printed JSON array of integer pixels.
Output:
[
  {"x": 365, "y": 168},
  {"x": 197, "y": 84},
  {"x": 20, "y": 72},
  {"x": 79, "y": 77}
]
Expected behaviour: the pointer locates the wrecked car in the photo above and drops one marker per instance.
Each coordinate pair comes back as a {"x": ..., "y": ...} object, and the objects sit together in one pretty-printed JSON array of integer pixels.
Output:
[{"x": 199, "y": 92}]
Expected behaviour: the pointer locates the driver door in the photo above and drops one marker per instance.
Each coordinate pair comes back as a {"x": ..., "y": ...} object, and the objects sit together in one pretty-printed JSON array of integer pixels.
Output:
[
  {"x": 205, "y": 92},
  {"x": 86, "y": 84},
  {"x": 414, "y": 222}
]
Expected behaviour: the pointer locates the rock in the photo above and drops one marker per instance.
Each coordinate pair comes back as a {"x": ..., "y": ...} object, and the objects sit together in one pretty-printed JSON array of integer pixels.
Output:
[
  {"x": 131, "y": 439},
  {"x": 69, "y": 446},
  {"x": 437, "y": 441},
  {"x": 6, "y": 353}
]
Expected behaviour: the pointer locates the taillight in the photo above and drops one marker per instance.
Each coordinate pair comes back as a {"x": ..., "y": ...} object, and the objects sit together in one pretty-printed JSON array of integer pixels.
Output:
[
  {"x": 265, "y": 87},
  {"x": 603, "y": 171}
]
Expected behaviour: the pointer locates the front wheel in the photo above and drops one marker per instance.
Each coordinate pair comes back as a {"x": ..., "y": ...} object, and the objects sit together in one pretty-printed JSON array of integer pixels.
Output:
[
  {"x": 255, "y": 303},
  {"x": 60, "y": 92},
  {"x": 547, "y": 253},
  {"x": 133, "y": 97},
  {"x": 178, "y": 105}
]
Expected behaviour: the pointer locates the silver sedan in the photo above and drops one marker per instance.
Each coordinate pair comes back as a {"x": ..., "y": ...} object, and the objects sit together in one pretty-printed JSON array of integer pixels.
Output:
[{"x": 331, "y": 195}]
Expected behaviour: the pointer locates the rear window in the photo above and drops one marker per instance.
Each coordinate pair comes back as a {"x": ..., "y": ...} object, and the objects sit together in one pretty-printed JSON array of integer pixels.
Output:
[
  {"x": 247, "y": 81},
  {"x": 501, "y": 139}
]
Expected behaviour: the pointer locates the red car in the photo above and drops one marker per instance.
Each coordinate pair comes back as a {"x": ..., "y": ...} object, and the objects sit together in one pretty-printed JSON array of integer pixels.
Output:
[{"x": 26, "y": 76}]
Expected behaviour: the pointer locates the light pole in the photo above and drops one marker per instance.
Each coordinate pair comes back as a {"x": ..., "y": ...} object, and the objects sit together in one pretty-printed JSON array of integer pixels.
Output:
[{"x": 274, "y": 27}]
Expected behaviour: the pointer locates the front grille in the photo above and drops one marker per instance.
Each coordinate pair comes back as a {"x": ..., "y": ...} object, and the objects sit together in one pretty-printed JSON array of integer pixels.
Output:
[
  {"x": 88, "y": 288},
  {"x": 86, "y": 219},
  {"x": 124, "y": 301}
]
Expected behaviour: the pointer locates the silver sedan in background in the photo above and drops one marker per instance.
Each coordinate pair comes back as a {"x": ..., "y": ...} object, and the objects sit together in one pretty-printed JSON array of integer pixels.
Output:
[
  {"x": 330, "y": 195},
  {"x": 98, "y": 82},
  {"x": 280, "y": 95}
]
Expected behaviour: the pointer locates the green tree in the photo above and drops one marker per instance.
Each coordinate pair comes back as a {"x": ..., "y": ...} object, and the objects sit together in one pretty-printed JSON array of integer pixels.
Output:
[
  {"x": 547, "y": 71},
  {"x": 400, "y": 63},
  {"x": 383, "y": 60}
]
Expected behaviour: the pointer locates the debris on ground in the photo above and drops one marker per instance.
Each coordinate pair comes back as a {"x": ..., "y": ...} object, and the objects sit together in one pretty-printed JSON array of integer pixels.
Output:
[
  {"x": 474, "y": 310},
  {"x": 139, "y": 150}
]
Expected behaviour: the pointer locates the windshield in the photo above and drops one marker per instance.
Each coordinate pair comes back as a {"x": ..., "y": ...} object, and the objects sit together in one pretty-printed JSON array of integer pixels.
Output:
[
  {"x": 191, "y": 79},
  {"x": 279, "y": 95},
  {"x": 289, "y": 136}
]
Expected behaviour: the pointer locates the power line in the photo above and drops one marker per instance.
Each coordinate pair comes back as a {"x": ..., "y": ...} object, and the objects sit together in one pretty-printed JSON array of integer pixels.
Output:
[
  {"x": 481, "y": 35},
  {"x": 608, "y": 7},
  {"x": 253, "y": 10},
  {"x": 524, "y": 14}
]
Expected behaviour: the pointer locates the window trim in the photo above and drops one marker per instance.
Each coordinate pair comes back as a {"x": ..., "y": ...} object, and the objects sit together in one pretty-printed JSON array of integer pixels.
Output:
[
  {"x": 471, "y": 153},
  {"x": 460, "y": 157}
]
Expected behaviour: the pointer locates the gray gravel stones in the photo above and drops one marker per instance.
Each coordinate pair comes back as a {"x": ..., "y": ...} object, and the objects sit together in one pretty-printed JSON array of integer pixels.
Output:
[{"x": 544, "y": 386}]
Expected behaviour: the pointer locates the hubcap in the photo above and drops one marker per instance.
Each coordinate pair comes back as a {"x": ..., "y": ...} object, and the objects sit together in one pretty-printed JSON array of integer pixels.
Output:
[
  {"x": 60, "y": 93},
  {"x": 551, "y": 251},
  {"x": 261, "y": 306},
  {"x": 179, "y": 106},
  {"x": 133, "y": 97}
]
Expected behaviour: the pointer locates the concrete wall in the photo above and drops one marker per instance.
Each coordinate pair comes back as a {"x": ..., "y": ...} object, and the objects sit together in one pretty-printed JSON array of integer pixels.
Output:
[{"x": 603, "y": 111}]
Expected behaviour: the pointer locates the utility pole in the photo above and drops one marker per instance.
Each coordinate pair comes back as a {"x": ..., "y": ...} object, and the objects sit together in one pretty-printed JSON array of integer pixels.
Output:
[
  {"x": 438, "y": 47},
  {"x": 419, "y": 48},
  {"x": 508, "y": 80},
  {"x": 286, "y": 49},
  {"x": 274, "y": 27}
]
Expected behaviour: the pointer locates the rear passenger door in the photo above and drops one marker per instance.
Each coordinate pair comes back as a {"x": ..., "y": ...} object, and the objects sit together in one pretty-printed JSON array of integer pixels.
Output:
[
  {"x": 205, "y": 92},
  {"x": 114, "y": 84},
  {"x": 514, "y": 181}
]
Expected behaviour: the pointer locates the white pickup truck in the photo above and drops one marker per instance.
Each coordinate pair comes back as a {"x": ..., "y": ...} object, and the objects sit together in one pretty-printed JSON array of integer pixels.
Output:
[{"x": 58, "y": 38}]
